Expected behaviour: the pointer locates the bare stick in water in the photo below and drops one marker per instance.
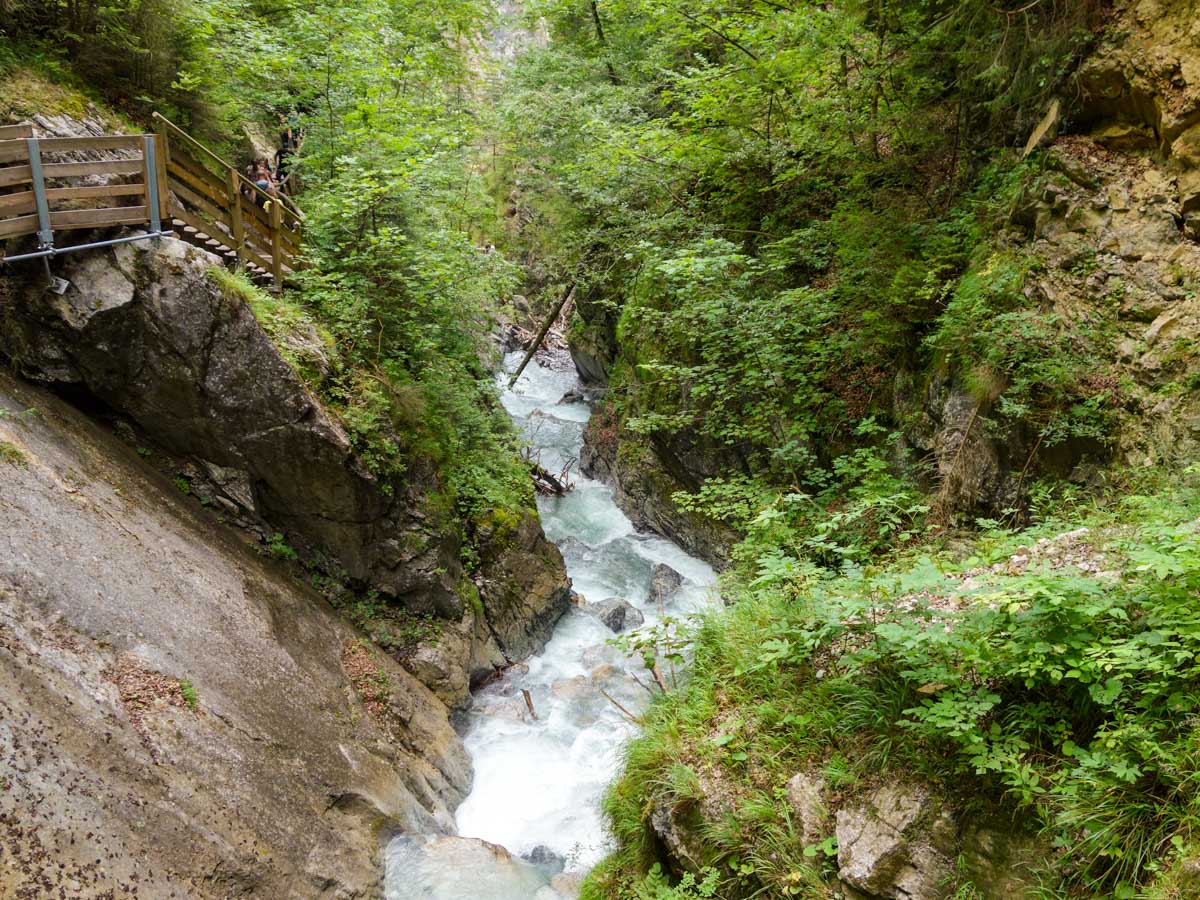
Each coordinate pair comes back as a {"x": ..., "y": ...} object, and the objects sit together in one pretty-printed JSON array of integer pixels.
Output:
[
  {"x": 658, "y": 677},
  {"x": 529, "y": 702},
  {"x": 609, "y": 697}
]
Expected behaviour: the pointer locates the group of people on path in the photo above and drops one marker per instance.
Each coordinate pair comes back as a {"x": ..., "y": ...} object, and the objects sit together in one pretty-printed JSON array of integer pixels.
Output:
[{"x": 274, "y": 179}]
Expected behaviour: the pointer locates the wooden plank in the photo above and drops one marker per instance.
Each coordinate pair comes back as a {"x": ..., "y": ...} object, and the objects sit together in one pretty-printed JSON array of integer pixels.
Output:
[
  {"x": 190, "y": 221},
  {"x": 99, "y": 218},
  {"x": 291, "y": 240},
  {"x": 185, "y": 160},
  {"x": 11, "y": 151},
  {"x": 260, "y": 215},
  {"x": 201, "y": 185},
  {"x": 277, "y": 244},
  {"x": 202, "y": 207},
  {"x": 17, "y": 204},
  {"x": 18, "y": 226},
  {"x": 103, "y": 142},
  {"x": 90, "y": 191},
  {"x": 15, "y": 175},
  {"x": 12, "y": 132},
  {"x": 104, "y": 167},
  {"x": 256, "y": 230}
]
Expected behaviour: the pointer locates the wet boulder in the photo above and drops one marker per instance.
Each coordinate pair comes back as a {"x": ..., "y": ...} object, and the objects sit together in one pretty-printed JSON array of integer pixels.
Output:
[
  {"x": 545, "y": 859},
  {"x": 423, "y": 867},
  {"x": 617, "y": 614},
  {"x": 664, "y": 583}
]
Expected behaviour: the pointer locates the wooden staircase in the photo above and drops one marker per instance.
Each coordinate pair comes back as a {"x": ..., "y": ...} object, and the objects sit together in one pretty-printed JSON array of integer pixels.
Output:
[{"x": 168, "y": 181}]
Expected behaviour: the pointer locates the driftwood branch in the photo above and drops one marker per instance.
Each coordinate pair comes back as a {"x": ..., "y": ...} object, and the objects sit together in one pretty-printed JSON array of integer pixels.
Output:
[
  {"x": 548, "y": 483},
  {"x": 609, "y": 697},
  {"x": 657, "y": 672},
  {"x": 541, "y": 335}
]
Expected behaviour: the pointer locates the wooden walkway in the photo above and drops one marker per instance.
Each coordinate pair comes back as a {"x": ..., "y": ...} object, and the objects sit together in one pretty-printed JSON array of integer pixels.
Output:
[{"x": 167, "y": 180}]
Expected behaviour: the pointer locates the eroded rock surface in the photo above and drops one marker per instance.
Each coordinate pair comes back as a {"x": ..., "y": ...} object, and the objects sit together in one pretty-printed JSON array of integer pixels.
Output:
[
  {"x": 149, "y": 332},
  {"x": 899, "y": 844},
  {"x": 523, "y": 588},
  {"x": 643, "y": 487},
  {"x": 294, "y": 748}
]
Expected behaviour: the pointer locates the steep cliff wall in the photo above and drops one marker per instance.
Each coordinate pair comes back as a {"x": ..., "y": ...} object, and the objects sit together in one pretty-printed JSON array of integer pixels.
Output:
[
  {"x": 149, "y": 332},
  {"x": 178, "y": 716}
]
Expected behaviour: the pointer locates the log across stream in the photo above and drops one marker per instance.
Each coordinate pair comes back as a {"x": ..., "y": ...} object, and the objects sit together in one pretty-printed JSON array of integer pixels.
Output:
[{"x": 539, "y": 781}]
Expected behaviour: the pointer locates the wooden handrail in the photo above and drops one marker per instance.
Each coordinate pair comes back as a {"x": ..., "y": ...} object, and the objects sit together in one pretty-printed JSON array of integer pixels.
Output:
[
  {"x": 246, "y": 182},
  {"x": 222, "y": 211}
]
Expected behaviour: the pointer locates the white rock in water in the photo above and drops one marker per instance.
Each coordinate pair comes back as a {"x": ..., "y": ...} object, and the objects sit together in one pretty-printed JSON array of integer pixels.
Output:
[{"x": 432, "y": 867}]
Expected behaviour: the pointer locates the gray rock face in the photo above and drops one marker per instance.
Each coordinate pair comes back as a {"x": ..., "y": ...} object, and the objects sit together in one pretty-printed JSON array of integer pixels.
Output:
[
  {"x": 676, "y": 828},
  {"x": 463, "y": 654},
  {"x": 524, "y": 589},
  {"x": 805, "y": 793},
  {"x": 643, "y": 487},
  {"x": 618, "y": 615},
  {"x": 303, "y": 744},
  {"x": 149, "y": 333},
  {"x": 664, "y": 582},
  {"x": 900, "y": 844}
]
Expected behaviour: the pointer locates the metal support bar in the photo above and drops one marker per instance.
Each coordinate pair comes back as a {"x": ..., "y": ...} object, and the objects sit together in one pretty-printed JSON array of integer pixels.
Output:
[
  {"x": 45, "y": 233},
  {"x": 59, "y": 251},
  {"x": 151, "y": 169}
]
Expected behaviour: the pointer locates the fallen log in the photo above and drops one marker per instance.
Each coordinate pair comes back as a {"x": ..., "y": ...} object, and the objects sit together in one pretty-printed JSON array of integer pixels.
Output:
[
  {"x": 541, "y": 335},
  {"x": 548, "y": 483}
]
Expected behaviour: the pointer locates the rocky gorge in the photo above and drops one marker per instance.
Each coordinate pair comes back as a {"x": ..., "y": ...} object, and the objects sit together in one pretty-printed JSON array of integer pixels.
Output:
[{"x": 211, "y": 711}]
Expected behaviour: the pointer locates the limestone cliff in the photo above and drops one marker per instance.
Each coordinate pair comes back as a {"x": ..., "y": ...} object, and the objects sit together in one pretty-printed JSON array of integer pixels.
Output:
[
  {"x": 177, "y": 714},
  {"x": 146, "y": 330},
  {"x": 176, "y": 711}
]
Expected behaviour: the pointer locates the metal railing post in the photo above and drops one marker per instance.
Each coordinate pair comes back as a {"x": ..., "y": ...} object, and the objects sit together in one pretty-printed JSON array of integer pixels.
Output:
[
  {"x": 45, "y": 232},
  {"x": 150, "y": 167}
]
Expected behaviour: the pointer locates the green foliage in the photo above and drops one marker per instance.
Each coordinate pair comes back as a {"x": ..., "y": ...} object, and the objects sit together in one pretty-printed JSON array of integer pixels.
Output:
[
  {"x": 277, "y": 547},
  {"x": 656, "y": 886},
  {"x": 12, "y": 454},
  {"x": 190, "y": 696},
  {"x": 1048, "y": 672},
  {"x": 769, "y": 213},
  {"x": 1039, "y": 368}
]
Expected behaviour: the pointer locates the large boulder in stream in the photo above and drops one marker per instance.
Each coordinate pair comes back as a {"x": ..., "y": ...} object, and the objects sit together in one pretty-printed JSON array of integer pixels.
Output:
[
  {"x": 617, "y": 614},
  {"x": 664, "y": 583},
  {"x": 523, "y": 588},
  {"x": 178, "y": 716}
]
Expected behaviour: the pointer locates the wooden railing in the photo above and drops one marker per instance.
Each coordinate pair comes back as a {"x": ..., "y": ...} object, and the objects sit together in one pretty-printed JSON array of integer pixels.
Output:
[
  {"x": 166, "y": 180},
  {"x": 212, "y": 197},
  {"x": 40, "y": 191}
]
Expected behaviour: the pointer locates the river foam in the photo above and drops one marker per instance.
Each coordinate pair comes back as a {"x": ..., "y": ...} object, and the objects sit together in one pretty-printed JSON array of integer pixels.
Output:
[{"x": 539, "y": 782}]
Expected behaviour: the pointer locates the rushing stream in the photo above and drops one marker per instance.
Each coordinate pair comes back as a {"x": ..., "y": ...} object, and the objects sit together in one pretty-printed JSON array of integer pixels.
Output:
[{"x": 538, "y": 782}]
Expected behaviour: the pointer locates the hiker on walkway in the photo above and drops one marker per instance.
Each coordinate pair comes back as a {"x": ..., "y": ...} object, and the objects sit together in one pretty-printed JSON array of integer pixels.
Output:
[{"x": 264, "y": 180}]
